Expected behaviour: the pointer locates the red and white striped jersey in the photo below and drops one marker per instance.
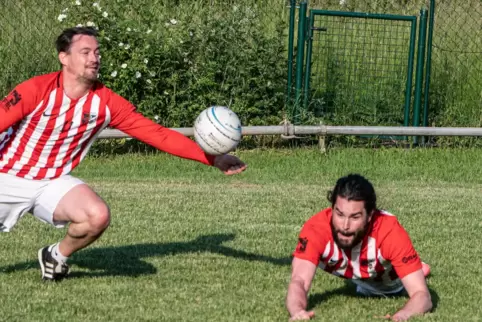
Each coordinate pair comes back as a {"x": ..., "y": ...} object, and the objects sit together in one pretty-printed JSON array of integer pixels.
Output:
[
  {"x": 381, "y": 259},
  {"x": 44, "y": 134}
]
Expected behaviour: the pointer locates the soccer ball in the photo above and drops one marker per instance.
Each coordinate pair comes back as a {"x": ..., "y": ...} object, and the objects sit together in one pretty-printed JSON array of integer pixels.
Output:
[{"x": 217, "y": 130}]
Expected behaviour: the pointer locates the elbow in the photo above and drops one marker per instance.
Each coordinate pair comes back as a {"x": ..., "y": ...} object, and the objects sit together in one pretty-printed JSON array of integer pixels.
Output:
[{"x": 429, "y": 304}]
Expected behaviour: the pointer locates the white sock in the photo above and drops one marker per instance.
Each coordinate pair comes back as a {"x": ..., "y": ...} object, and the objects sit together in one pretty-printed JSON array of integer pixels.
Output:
[{"x": 57, "y": 255}]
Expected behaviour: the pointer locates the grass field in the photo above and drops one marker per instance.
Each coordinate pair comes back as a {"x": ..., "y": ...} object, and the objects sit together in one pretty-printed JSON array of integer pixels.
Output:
[{"x": 189, "y": 244}]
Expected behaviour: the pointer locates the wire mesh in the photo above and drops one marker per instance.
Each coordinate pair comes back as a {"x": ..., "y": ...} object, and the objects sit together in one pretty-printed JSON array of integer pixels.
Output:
[
  {"x": 455, "y": 96},
  {"x": 359, "y": 72},
  {"x": 28, "y": 29}
]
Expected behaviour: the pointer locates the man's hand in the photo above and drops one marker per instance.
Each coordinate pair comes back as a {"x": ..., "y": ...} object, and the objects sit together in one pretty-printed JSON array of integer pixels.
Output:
[
  {"x": 399, "y": 316},
  {"x": 302, "y": 315},
  {"x": 229, "y": 164}
]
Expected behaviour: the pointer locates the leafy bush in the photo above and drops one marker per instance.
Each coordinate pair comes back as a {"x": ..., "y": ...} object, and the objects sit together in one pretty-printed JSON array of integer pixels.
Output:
[{"x": 171, "y": 68}]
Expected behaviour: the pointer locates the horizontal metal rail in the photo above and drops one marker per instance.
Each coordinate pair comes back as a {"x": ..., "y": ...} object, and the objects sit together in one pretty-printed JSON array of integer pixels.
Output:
[{"x": 322, "y": 130}]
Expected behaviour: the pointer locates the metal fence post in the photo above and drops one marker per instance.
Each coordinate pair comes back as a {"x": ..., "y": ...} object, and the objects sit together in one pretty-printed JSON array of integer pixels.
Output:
[
  {"x": 291, "y": 36},
  {"x": 420, "y": 65},
  {"x": 300, "y": 58},
  {"x": 429, "y": 64}
]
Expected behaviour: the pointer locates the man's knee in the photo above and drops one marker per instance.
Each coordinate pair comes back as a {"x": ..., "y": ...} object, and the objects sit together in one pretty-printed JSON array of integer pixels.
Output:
[{"x": 98, "y": 215}]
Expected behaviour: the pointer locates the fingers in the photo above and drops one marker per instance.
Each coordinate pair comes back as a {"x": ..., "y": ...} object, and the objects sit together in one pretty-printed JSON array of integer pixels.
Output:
[
  {"x": 302, "y": 315},
  {"x": 386, "y": 317},
  {"x": 235, "y": 170}
]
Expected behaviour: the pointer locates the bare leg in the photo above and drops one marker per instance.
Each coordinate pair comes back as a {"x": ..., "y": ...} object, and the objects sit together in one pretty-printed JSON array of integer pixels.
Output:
[{"x": 89, "y": 217}]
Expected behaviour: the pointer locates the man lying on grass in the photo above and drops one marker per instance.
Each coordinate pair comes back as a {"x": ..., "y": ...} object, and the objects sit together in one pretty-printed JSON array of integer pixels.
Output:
[{"x": 356, "y": 241}]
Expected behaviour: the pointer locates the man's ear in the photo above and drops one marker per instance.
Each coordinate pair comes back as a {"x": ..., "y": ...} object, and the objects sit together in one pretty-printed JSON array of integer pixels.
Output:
[{"x": 63, "y": 58}]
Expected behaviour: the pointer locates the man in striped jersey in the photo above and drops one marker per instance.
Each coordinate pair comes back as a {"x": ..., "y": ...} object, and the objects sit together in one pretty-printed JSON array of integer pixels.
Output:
[
  {"x": 47, "y": 125},
  {"x": 354, "y": 240}
]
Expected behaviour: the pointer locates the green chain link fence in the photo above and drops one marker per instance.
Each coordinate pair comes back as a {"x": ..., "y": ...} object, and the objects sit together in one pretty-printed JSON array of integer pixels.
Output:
[
  {"x": 357, "y": 72},
  {"x": 171, "y": 58},
  {"x": 455, "y": 97},
  {"x": 236, "y": 53}
]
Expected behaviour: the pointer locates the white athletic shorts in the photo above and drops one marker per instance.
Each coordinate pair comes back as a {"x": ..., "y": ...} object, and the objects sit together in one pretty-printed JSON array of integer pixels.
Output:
[{"x": 39, "y": 197}]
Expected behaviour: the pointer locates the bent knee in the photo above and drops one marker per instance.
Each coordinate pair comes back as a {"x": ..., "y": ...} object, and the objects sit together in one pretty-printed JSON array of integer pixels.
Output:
[{"x": 99, "y": 217}]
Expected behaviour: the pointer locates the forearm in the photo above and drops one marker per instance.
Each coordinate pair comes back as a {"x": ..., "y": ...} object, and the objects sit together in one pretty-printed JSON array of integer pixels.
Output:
[
  {"x": 418, "y": 304},
  {"x": 162, "y": 138},
  {"x": 177, "y": 144},
  {"x": 296, "y": 299}
]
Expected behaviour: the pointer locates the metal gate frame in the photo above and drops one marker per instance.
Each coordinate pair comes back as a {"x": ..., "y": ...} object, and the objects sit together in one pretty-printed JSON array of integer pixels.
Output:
[{"x": 306, "y": 29}]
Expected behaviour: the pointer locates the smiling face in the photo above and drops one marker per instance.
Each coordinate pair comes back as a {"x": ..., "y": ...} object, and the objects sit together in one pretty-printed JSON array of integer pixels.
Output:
[
  {"x": 82, "y": 59},
  {"x": 349, "y": 222}
]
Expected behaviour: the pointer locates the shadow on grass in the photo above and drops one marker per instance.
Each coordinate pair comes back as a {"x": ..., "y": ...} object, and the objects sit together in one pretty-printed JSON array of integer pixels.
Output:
[
  {"x": 349, "y": 290},
  {"x": 128, "y": 260}
]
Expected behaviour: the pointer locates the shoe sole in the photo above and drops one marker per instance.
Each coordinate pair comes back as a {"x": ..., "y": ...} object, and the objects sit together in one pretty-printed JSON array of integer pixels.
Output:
[{"x": 40, "y": 259}]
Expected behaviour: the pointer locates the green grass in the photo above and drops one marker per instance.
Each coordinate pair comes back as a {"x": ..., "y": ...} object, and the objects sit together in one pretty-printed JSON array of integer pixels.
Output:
[{"x": 187, "y": 243}]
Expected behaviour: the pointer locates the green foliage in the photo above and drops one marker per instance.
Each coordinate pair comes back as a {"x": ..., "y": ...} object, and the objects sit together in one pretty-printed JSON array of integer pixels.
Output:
[
  {"x": 234, "y": 53},
  {"x": 173, "y": 67}
]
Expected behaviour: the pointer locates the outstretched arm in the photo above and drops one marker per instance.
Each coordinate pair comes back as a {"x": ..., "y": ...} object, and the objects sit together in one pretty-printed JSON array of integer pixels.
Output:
[
  {"x": 128, "y": 120},
  {"x": 420, "y": 301},
  {"x": 302, "y": 275},
  {"x": 398, "y": 248}
]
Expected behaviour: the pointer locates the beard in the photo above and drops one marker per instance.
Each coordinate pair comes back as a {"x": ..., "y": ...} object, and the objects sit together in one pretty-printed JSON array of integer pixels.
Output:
[
  {"x": 357, "y": 236},
  {"x": 90, "y": 77}
]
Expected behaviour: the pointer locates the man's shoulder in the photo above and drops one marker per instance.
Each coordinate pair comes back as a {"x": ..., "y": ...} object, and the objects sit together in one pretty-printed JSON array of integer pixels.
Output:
[
  {"x": 384, "y": 224},
  {"x": 320, "y": 220},
  {"x": 384, "y": 216},
  {"x": 42, "y": 81}
]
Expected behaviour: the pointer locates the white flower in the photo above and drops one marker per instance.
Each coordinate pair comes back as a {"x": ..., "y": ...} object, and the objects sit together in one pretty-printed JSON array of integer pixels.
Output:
[
  {"x": 146, "y": 60},
  {"x": 166, "y": 93},
  {"x": 80, "y": 25},
  {"x": 61, "y": 17},
  {"x": 342, "y": 2},
  {"x": 105, "y": 14},
  {"x": 124, "y": 65},
  {"x": 138, "y": 75},
  {"x": 96, "y": 4},
  {"x": 121, "y": 44},
  {"x": 114, "y": 73},
  {"x": 129, "y": 29},
  {"x": 148, "y": 31},
  {"x": 65, "y": 10},
  {"x": 77, "y": 2},
  {"x": 156, "y": 117},
  {"x": 191, "y": 34},
  {"x": 148, "y": 81},
  {"x": 127, "y": 46},
  {"x": 90, "y": 24},
  {"x": 173, "y": 21}
]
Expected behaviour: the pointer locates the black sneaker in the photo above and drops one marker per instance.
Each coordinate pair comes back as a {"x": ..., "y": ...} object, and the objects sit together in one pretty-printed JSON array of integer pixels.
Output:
[{"x": 51, "y": 269}]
